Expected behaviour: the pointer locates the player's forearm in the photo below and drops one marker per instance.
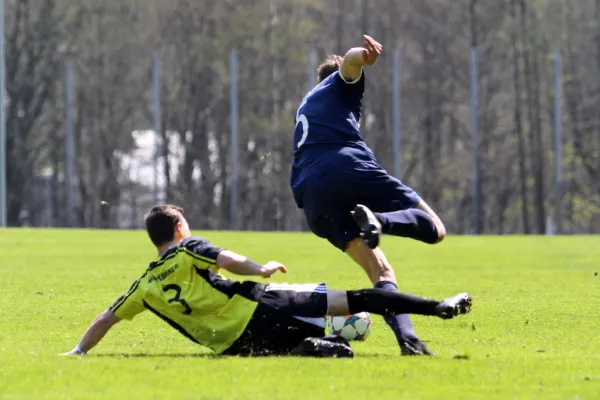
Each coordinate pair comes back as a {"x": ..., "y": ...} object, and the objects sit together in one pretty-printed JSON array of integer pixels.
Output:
[
  {"x": 238, "y": 264},
  {"x": 355, "y": 57},
  {"x": 353, "y": 63},
  {"x": 97, "y": 331}
]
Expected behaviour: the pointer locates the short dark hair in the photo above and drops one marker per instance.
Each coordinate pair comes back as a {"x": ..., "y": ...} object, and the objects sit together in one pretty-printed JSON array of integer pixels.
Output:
[
  {"x": 329, "y": 66},
  {"x": 161, "y": 221}
]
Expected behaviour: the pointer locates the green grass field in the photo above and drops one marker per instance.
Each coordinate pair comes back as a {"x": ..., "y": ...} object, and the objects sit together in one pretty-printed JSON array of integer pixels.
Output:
[{"x": 534, "y": 331}]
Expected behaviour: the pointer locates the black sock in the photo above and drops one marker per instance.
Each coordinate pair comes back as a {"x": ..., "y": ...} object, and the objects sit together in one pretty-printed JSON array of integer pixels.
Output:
[
  {"x": 387, "y": 303},
  {"x": 400, "y": 324},
  {"x": 415, "y": 224}
]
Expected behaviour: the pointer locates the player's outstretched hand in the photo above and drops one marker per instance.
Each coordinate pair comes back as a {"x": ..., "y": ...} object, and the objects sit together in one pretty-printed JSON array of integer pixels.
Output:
[
  {"x": 372, "y": 50},
  {"x": 270, "y": 268}
]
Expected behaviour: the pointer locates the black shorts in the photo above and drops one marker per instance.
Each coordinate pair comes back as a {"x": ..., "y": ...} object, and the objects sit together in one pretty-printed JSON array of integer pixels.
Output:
[
  {"x": 281, "y": 320},
  {"x": 327, "y": 200}
]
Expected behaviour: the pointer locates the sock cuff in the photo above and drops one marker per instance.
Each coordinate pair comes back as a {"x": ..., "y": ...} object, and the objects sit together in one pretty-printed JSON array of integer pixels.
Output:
[
  {"x": 353, "y": 297},
  {"x": 387, "y": 285}
]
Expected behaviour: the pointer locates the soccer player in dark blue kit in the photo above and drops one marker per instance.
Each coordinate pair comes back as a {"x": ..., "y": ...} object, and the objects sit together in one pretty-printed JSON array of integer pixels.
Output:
[{"x": 347, "y": 197}]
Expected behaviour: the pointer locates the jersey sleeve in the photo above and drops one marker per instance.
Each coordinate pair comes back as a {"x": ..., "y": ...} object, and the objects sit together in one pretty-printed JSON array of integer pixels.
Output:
[
  {"x": 360, "y": 81},
  {"x": 130, "y": 304},
  {"x": 202, "y": 250},
  {"x": 354, "y": 89}
]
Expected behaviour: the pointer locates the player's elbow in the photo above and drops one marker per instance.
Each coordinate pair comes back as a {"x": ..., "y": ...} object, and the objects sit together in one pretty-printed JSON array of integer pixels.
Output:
[{"x": 441, "y": 233}]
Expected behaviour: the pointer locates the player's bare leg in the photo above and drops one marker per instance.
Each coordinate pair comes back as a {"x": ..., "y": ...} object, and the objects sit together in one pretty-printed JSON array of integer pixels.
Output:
[
  {"x": 372, "y": 261},
  {"x": 420, "y": 223},
  {"x": 381, "y": 274}
]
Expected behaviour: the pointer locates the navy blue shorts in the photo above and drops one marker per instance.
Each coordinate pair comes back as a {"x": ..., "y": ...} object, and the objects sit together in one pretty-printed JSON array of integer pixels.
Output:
[{"x": 328, "y": 199}]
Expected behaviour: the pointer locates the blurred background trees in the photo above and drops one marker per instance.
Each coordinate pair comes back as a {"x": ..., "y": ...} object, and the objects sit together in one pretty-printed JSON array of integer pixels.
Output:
[{"x": 110, "y": 46}]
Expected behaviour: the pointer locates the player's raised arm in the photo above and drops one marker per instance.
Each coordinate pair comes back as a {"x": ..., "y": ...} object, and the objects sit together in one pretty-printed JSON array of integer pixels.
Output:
[
  {"x": 241, "y": 265},
  {"x": 357, "y": 57},
  {"x": 95, "y": 333}
]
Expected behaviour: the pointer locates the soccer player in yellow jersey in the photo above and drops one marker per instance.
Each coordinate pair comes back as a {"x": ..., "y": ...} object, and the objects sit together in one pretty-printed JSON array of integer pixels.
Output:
[{"x": 184, "y": 288}]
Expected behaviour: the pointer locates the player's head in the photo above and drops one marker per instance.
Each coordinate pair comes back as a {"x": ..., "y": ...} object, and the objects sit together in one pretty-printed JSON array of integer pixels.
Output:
[
  {"x": 329, "y": 66},
  {"x": 166, "y": 224}
]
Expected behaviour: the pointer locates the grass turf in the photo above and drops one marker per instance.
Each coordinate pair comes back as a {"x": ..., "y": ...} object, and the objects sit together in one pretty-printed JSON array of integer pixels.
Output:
[{"x": 534, "y": 331}]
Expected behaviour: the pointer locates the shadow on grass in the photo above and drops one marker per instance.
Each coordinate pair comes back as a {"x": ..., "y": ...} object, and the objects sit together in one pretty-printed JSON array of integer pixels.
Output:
[
  {"x": 157, "y": 355},
  {"x": 220, "y": 357}
]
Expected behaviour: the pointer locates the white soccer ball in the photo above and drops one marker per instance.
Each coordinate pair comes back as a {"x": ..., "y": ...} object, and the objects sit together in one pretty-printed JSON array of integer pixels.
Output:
[{"x": 350, "y": 327}]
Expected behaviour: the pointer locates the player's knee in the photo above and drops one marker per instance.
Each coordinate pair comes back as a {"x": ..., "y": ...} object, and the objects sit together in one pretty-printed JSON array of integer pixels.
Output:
[
  {"x": 438, "y": 235},
  {"x": 441, "y": 232},
  {"x": 428, "y": 231}
]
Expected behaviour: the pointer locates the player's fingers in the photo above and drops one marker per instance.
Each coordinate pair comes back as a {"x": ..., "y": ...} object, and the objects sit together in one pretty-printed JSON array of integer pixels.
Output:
[
  {"x": 370, "y": 51},
  {"x": 369, "y": 45},
  {"x": 372, "y": 43},
  {"x": 283, "y": 269},
  {"x": 376, "y": 47}
]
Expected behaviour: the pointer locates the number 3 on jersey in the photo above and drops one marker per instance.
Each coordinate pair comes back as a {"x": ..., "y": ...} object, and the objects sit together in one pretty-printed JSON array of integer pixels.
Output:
[
  {"x": 302, "y": 120},
  {"x": 177, "y": 299}
]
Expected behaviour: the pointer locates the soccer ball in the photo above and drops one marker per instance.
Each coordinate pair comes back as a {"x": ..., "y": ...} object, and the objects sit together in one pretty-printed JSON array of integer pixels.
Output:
[{"x": 350, "y": 327}]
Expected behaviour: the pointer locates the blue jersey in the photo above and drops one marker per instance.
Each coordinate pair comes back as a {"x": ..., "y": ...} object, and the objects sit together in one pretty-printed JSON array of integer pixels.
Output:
[{"x": 327, "y": 134}]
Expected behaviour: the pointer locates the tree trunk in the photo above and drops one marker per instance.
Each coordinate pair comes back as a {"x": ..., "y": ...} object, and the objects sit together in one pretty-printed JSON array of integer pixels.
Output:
[
  {"x": 519, "y": 127},
  {"x": 540, "y": 172},
  {"x": 525, "y": 39}
]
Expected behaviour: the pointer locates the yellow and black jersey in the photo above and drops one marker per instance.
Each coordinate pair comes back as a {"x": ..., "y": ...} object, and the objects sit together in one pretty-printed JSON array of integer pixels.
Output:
[{"x": 185, "y": 289}]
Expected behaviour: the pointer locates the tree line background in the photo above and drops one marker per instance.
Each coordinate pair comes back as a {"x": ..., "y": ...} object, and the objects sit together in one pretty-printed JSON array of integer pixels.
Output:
[{"x": 110, "y": 45}]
